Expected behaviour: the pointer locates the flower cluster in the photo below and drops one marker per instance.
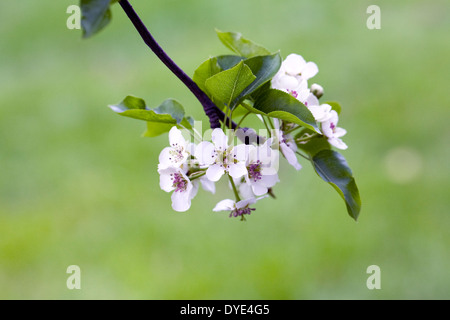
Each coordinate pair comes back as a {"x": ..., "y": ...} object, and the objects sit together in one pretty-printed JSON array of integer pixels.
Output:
[
  {"x": 293, "y": 78},
  {"x": 183, "y": 165}
]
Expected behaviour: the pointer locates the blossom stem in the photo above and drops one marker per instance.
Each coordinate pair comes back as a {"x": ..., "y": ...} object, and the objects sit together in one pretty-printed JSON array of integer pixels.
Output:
[
  {"x": 302, "y": 155},
  {"x": 236, "y": 194},
  {"x": 214, "y": 114},
  {"x": 242, "y": 119},
  {"x": 267, "y": 127}
]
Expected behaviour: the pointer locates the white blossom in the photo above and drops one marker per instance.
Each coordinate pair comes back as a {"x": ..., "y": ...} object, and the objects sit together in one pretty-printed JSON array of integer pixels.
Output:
[
  {"x": 177, "y": 154},
  {"x": 174, "y": 179},
  {"x": 219, "y": 158},
  {"x": 332, "y": 132},
  {"x": 237, "y": 209},
  {"x": 286, "y": 144}
]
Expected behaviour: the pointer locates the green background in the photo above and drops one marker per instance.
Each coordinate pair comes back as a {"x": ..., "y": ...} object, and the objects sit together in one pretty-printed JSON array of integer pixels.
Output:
[{"x": 78, "y": 185}]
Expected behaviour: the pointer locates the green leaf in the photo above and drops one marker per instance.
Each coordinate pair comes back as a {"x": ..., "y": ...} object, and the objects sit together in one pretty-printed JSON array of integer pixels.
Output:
[
  {"x": 159, "y": 120},
  {"x": 96, "y": 14},
  {"x": 205, "y": 71},
  {"x": 228, "y": 61},
  {"x": 238, "y": 44},
  {"x": 264, "y": 68},
  {"x": 314, "y": 145},
  {"x": 332, "y": 167},
  {"x": 227, "y": 85},
  {"x": 279, "y": 104},
  {"x": 335, "y": 106}
]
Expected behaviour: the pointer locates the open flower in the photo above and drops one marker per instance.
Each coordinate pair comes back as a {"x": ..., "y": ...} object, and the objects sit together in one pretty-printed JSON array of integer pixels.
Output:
[
  {"x": 333, "y": 133},
  {"x": 221, "y": 158},
  {"x": 262, "y": 164},
  {"x": 293, "y": 74},
  {"x": 174, "y": 179},
  {"x": 286, "y": 144},
  {"x": 177, "y": 154},
  {"x": 238, "y": 209}
]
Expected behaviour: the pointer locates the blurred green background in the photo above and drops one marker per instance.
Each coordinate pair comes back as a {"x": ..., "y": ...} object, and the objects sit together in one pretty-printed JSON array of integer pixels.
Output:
[{"x": 78, "y": 185}]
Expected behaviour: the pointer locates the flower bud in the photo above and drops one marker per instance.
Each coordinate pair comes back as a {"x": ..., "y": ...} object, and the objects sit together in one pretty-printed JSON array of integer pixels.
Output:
[{"x": 317, "y": 90}]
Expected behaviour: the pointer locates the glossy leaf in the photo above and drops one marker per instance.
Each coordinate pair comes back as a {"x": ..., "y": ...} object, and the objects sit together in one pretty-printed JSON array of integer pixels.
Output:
[
  {"x": 279, "y": 104},
  {"x": 227, "y": 85},
  {"x": 264, "y": 68},
  {"x": 96, "y": 14},
  {"x": 159, "y": 120},
  {"x": 228, "y": 61},
  {"x": 241, "y": 46},
  {"x": 205, "y": 71},
  {"x": 314, "y": 145},
  {"x": 332, "y": 167}
]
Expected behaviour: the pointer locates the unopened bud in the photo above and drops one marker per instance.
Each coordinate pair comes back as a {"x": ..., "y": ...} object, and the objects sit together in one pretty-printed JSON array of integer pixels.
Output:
[{"x": 317, "y": 90}]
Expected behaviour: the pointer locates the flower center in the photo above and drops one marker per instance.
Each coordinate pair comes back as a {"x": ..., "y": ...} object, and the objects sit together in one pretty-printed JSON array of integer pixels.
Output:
[
  {"x": 293, "y": 93},
  {"x": 179, "y": 183},
  {"x": 332, "y": 126},
  {"x": 240, "y": 212},
  {"x": 176, "y": 153},
  {"x": 254, "y": 171}
]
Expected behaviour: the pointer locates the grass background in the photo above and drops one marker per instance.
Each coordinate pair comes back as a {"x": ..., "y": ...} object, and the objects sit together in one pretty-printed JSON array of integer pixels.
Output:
[{"x": 79, "y": 186}]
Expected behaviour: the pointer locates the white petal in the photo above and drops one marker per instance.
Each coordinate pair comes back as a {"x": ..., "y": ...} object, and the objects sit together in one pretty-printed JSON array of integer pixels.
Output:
[
  {"x": 243, "y": 203},
  {"x": 208, "y": 185},
  {"x": 293, "y": 64},
  {"x": 215, "y": 172},
  {"x": 338, "y": 143},
  {"x": 164, "y": 156},
  {"x": 241, "y": 152},
  {"x": 245, "y": 190},
  {"x": 269, "y": 181},
  {"x": 237, "y": 170},
  {"x": 309, "y": 70},
  {"x": 181, "y": 201},
  {"x": 259, "y": 189},
  {"x": 288, "y": 82},
  {"x": 339, "y": 132},
  {"x": 166, "y": 182},
  {"x": 225, "y": 205},
  {"x": 219, "y": 139},
  {"x": 204, "y": 153},
  {"x": 326, "y": 129},
  {"x": 176, "y": 138},
  {"x": 290, "y": 156},
  {"x": 311, "y": 100}
]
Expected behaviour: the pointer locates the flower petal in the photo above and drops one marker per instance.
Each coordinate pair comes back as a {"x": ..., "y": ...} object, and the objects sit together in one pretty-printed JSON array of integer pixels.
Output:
[
  {"x": 176, "y": 137},
  {"x": 208, "y": 185},
  {"x": 309, "y": 70},
  {"x": 181, "y": 201},
  {"x": 237, "y": 170},
  {"x": 293, "y": 64},
  {"x": 204, "y": 153},
  {"x": 225, "y": 205},
  {"x": 290, "y": 156},
  {"x": 338, "y": 143},
  {"x": 259, "y": 189},
  {"x": 219, "y": 139},
  {"x": 215, "y": 172}
]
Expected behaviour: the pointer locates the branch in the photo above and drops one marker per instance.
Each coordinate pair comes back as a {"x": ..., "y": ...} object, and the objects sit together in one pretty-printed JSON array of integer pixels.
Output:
[{"x": 214, "y": 114}]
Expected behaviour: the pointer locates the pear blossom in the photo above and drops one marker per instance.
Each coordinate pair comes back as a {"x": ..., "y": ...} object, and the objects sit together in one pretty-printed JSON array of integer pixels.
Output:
[
  {"x": 177, "y": 154},
  {"x": 238, "y": 209},
  {"x": 176, "y": 180},
  {"x": 262, "y": 163},
  {"x": 220, "y": 158},
  {"x": 332, "y": 132},
  {"x": 293, "y": 74},
  {"x": 286, "y": 144}
]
